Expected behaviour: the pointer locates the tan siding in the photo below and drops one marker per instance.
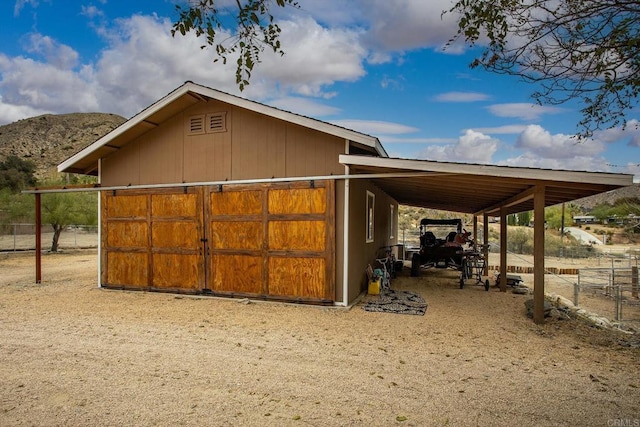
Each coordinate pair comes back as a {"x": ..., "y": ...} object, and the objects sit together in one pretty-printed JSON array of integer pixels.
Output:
[
  {"x": 207, "y": 157},
  {"x": 312, "y": 153},
  {"x": 258, "y": 149},
  {"x": 254, "y": 146},
  {"x": 361, "y": 253},
  {"x": 122, "y": 167},
  {"x": 161, "y": 153}
]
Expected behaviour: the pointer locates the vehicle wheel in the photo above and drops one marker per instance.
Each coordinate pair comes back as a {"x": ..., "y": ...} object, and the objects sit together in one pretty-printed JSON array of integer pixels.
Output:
[
  {"x": 415, "y": 265},
  {"x": 461, "y": 283},
  {"x": 486, "y": 285},
  {"x": 466, "y": 269}
]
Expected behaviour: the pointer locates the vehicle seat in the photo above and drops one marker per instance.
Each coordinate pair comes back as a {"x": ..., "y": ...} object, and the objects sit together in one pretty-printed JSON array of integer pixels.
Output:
[
  {"x": 428, "y": 239},
  {"x": 451, "y": 237}
]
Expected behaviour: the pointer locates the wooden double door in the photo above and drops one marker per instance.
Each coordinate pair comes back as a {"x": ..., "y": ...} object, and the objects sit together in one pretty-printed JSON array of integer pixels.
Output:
[{"x": 273, "y": 241}]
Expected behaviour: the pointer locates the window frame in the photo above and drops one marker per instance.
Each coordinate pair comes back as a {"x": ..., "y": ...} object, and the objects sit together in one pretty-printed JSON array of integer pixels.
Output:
[{"x": 370, "y": 217}]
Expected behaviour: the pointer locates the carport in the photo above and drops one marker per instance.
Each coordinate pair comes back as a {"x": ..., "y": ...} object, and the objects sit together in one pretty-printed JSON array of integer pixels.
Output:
[{"x": 483, "y": 191}]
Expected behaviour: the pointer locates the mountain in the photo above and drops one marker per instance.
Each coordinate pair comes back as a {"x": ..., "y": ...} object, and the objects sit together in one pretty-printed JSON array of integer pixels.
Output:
[
  {"x": 588, "y": 203},
  {"x": 49, "y": 139}
]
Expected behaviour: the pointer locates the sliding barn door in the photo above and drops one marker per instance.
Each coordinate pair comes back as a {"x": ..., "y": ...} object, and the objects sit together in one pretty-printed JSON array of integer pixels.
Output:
[
  {"x": 272, "y": 240},
  {"x": 153, "y": 239}
]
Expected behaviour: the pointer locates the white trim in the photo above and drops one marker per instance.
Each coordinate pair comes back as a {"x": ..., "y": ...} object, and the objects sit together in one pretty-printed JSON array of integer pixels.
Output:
[
  {"x": 238, "y": 181},
  {"x": 451, "y": 168},
  {"x": 346, "y": 235},
  {"x": 99, "y": 260},
  {"x": 370, "y": 216}
]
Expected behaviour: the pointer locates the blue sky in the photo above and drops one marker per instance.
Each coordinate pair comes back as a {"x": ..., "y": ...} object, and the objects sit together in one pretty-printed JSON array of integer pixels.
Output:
[{"x": 377, "y": 67}]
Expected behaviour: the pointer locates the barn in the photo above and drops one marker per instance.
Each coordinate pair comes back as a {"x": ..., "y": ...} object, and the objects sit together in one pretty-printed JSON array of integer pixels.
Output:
[{"x": 208, "y": 193}]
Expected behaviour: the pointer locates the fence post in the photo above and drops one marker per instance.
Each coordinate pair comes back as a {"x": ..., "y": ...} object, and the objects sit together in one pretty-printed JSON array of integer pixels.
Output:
[
  {"x": 617, "y": 298},
  {"x": 634, "y": 281}
]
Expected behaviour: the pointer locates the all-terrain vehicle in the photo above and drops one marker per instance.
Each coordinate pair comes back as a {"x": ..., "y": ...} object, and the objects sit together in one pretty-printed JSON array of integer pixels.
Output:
[{"x": 442, "y": 245}]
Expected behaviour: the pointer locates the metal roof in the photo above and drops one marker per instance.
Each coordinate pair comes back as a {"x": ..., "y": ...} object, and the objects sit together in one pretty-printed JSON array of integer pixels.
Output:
[
  {"x": 476, "y": 188},
  {"x": 86, "y": 160}
]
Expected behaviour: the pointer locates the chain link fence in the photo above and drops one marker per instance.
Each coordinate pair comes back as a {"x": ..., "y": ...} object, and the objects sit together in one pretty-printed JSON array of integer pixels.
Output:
[{"x": 22, "y": 237}]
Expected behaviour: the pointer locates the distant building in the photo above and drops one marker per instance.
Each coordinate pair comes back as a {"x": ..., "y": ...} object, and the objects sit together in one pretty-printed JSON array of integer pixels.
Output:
[{"x": 585, "y": 219}]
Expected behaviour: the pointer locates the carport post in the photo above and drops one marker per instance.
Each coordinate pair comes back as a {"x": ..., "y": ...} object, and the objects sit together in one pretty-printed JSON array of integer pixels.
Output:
[
  {"x": 38, "y": 239},
  {"x": 538, "y": 254},
  {"x": 503, "y": 250},
  {"x": 485, "y": 242}
]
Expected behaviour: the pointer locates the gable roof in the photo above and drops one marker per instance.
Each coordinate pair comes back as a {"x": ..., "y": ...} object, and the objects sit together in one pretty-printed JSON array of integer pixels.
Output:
[{"x": 86, "y": 160}]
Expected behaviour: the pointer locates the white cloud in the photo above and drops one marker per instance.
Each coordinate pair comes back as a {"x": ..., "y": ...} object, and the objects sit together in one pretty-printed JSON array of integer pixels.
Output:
[
  {"x": 542, "y": 143},
  {"x": 630, "y": 132},
  {"x": 314, "y": 57},
  {"x": 142, "y": 63},
  {"x": 522, "y": 110},
  {"x": 472, "y": 147},
  {"x": 303, "y": 106},
  {"x": 502, "y": 130},
  {"x": 577, "y": 163},
  {"x": 54, "y": 53},
  {"x": 372, "y": 127},
  {"x": 461, "y": 97},
  {"x": 396, "y": 140},
  {"x": 407, "y": 24}
]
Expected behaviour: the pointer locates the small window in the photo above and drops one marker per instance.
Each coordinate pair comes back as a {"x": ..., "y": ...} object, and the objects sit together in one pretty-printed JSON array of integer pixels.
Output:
[
  {"x": 371, "y": 202},
  {"x": 196, "y": 125},
  {"x": 392, "y": 222},
  {"x": 216, "y": 122}
]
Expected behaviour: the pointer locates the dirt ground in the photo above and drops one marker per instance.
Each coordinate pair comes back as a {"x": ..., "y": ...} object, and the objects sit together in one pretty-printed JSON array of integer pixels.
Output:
[{"x": 75, "y": 355}]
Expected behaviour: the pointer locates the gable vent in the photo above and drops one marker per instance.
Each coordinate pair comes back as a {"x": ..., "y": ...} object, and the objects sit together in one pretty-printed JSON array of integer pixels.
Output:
[
  {"x": 196, "y": 125},
  {"x": 216, "y": 122}
]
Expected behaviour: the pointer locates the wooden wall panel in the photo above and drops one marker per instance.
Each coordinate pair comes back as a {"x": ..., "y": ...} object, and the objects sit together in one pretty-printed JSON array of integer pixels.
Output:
[
  {"x": 297, "y": 235},
  {"x": 176, "y": 271},
  {"x": 237, "y": 235},
  {"x": 298, "y": 201},
  {"x": 127, "y": 234},
  {"x": 237, "y": 274},
  {"x": 126, "y": 207},
  {"x": 174, "y": 205},
  {"x": 297, "y": 277},
  {"x": 178, "y": 235},
  {"x": 236, "y": 202},
  {"x": 127, "y": 269}
]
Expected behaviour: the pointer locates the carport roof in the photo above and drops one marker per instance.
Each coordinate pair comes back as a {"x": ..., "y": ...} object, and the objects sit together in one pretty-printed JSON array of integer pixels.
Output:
[{"x": 476, "y": 188}]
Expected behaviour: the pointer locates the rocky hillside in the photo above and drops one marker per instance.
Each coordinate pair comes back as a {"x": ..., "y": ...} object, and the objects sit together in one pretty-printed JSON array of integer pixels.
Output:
[
  {"x": 50, "y": 139},
  {"x": 609, "y": 197}
]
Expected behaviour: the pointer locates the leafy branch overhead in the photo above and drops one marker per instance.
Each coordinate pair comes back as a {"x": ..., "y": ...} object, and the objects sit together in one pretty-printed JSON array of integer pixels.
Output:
[
  {"x": 575, "y": 49},
  {"x": 255, "y": 30}
]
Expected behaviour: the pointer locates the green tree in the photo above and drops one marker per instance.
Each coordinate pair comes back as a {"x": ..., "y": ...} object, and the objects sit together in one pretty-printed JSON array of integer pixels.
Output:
[
  {"x": 68, "y": 208},
  {"x": 254, "y": 24},
  {"x": 574, "y": 49},
  {"x": 524, "y": 218},
  {"x": 59, "y": 210},
  {"x": 16, "y": 174}
]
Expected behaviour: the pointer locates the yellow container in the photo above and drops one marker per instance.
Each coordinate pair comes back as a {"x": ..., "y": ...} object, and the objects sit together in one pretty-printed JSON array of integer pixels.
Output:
[{"x": 374, "y": 287}]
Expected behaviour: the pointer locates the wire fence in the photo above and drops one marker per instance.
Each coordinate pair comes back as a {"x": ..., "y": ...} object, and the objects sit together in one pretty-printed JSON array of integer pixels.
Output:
[
  {"x": 22, "y": 237},
  {"x": 618, "y": 285}
]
